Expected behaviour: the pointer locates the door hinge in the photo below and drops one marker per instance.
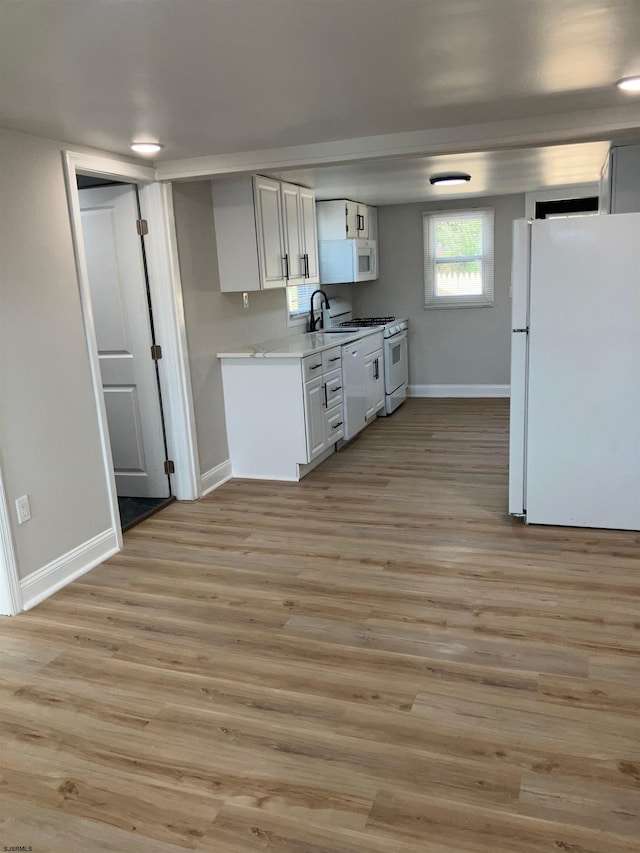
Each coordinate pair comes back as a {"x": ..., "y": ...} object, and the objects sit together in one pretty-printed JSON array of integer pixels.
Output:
[
  {"x": 142, "y": 227},
  {"x": 169, "y": 467},
  {"x": 156, "y": 352},
  {"x": 525, "y": 330}
]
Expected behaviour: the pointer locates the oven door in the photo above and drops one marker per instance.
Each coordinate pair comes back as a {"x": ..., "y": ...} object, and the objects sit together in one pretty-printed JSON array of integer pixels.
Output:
[{"x": 396, "y": 368}]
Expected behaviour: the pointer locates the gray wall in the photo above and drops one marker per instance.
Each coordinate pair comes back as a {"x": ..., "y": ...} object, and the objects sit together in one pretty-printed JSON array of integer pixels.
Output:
[
  {"x": 455, "y": 346},
  {"x": 215, "y": 320},
  {"x": 49, "y": 439}
]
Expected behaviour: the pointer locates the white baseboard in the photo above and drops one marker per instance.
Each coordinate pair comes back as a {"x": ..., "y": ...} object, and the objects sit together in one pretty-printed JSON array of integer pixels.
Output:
[
  {"x": 215, "y": 477},
  {"x": 50, "y": 578},
  {"x": 459, "y": 391}
]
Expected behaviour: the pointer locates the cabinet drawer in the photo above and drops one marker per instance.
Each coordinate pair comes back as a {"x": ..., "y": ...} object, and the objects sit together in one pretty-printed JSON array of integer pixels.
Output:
[
  {"x": 333, "y": 381},
  {"x": 331, "y": 359},
  {"x": 335, "y": 424},
  {"x": 312, "y": 366}
]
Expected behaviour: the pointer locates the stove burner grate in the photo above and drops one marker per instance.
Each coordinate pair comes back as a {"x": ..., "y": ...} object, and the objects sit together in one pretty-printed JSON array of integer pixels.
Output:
[{"x": 368, "y": 321}]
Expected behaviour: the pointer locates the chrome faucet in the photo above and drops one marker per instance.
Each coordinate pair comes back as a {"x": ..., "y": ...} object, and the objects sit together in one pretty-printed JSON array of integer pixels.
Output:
[{"x": 313, "y": 321}]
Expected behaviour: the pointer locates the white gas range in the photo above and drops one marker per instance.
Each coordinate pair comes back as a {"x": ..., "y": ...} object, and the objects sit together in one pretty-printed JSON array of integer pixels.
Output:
[{"x": 394, "y": 333}]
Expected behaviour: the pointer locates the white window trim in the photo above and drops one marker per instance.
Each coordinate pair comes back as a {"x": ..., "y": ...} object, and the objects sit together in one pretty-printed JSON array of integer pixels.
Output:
[{"x": 486, "y": 300}]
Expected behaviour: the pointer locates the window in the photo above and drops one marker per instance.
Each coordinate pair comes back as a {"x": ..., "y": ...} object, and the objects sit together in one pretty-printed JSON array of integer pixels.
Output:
[
  {"x": 458, "y": 258},
  {"x": 298, "y": 302}
]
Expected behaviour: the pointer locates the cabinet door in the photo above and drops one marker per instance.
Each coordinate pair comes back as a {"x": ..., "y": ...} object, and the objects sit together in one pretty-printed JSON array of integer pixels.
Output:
[
  {"x": 351, "y": 213},
  {"x": 372, "y": 216},
  {"x": 315, "y": 420},
  {"x": 309, "y": 236},
  {"x": 293, "y": 234},
  {"x": 374, "y": 383},
  {"x": 268, "y": 210},
  {"x": 362, "y": 221}
]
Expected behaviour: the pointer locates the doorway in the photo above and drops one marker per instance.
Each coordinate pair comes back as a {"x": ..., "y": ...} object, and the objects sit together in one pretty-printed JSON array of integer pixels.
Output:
[{"x": 113, "y": 238}]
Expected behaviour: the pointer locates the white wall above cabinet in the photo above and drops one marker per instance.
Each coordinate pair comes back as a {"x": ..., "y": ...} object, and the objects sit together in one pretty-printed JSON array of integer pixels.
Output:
[
  {"x": 266, "y": 233},
  {"x": 346, "y": 220}
]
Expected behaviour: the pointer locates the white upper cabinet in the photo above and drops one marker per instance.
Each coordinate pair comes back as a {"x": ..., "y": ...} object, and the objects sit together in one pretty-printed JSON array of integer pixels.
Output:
[
  {"x": 293, "y": 235},
  {"x": 362, "y": 221},
  {"x": 372, "y": 220},
  {"x": 345, "y": 220},
  {"x": 271, "y": 237},
  {"x": 309, "y": 235},
  {"x": 300, "y": 234},
  {"x": 351, "y": 220},
  {"x": 266, "y": 233}
]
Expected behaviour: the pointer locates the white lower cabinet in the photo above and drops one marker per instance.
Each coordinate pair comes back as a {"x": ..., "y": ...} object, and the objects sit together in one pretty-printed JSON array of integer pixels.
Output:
[
  {"x": 323, "y": 401},
  {"x": 315, "y": 417},
  {"x": 283, "y": 415},
  {"x": 374, "y": 369},
  {"x": 363, "y": 373}
]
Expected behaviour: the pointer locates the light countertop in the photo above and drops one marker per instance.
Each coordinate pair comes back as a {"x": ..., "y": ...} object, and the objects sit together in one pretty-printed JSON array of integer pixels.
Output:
[{"x": 297, "y": 346}]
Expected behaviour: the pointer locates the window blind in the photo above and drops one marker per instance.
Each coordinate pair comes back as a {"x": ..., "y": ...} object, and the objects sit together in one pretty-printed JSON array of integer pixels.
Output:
[{"x": 298, "y": 297}]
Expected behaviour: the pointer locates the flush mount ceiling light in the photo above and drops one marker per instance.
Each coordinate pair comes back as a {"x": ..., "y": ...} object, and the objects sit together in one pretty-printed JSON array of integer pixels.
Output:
[
  {"x": 145, "y": 147},
  {"x": 450, "y": 179},
  {"x": 629, "y": 84}
]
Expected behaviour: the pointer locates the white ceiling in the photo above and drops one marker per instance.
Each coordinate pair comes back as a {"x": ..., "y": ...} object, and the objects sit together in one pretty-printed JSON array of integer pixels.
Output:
[
  {"x": 403, "y": 180},
  {"x": 214, "y": 77}
]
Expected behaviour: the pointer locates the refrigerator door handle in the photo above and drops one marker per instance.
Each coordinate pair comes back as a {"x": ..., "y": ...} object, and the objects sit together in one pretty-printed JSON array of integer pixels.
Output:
[{"x": 519, "y": 373}]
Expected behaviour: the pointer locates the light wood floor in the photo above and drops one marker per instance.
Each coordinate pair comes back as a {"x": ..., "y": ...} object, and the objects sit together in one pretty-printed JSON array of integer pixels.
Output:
[{"x": 375, "y": 660}]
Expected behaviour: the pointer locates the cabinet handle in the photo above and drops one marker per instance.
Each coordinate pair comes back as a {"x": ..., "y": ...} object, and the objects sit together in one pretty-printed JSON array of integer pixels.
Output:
[
  {"x": 360, "y": 219},
  {"x": 337, "y": 388},
  {"x": 305, "y": 258},
  {"x": 326, "y": 399},
  {"x": 337, "y": 358},
  {"x": 315, "y": 366},
  {"x": 339, "y": 424},
  {"x": 376, "y": 369},
  {"x": 286, "y": 266}
]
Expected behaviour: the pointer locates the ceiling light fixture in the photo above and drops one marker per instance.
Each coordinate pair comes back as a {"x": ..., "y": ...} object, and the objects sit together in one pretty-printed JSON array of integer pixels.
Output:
[
  {"x": 629, "y": 84},
  {"x": 450, "y": 179},
  {"x": 145, "y": 147}
]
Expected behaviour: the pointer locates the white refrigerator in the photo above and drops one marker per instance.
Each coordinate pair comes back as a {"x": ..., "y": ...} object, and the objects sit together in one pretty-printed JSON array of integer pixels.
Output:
[{"x": 574, "y": 455}]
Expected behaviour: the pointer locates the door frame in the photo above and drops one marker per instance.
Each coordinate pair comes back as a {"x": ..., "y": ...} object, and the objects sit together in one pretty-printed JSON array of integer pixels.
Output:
[
  {"x": 156, "y": 201},
  {"x": 165, "y": 288},
  {"x": 10, "y": 598}
]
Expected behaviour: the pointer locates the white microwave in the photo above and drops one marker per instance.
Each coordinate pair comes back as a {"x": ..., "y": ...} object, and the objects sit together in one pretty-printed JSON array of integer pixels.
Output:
[{"x": 346, "y": 261}]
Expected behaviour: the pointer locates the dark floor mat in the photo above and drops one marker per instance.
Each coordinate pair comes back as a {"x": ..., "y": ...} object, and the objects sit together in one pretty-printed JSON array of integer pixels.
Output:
[{"x": 135, "y": 510}]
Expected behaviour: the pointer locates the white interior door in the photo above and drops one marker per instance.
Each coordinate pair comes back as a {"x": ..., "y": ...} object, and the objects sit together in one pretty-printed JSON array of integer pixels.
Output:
[
  {"x": 121, "y": 317},
  {"x": 583, "y": 435}
]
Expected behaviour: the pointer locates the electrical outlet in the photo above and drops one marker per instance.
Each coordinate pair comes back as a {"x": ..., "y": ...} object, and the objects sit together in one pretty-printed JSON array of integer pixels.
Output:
[
  {"x": 245, "y": 299},
  {"x": 23, "y": 510}
]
